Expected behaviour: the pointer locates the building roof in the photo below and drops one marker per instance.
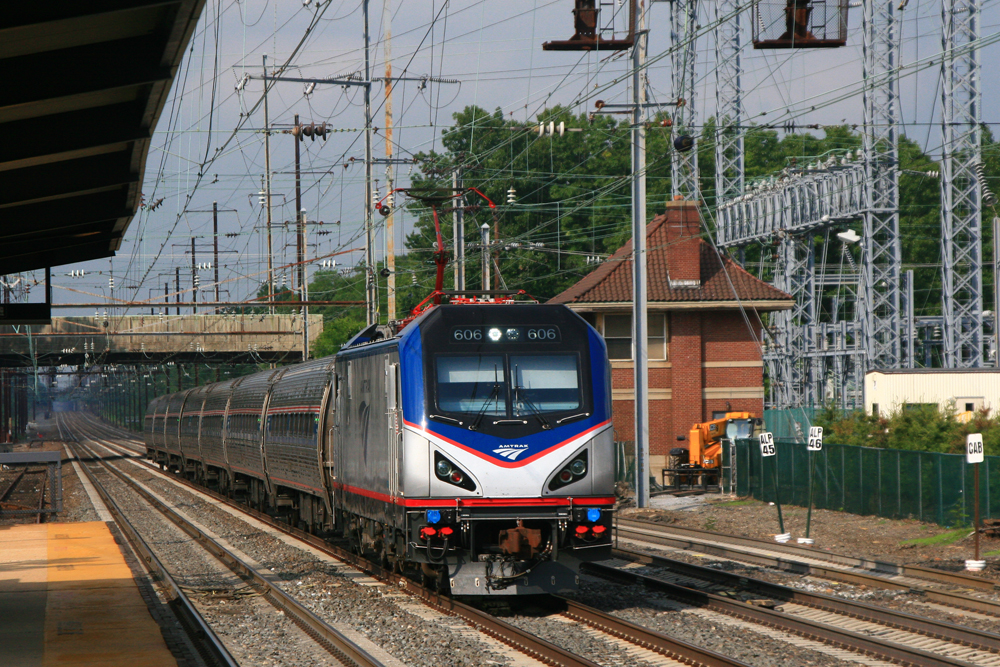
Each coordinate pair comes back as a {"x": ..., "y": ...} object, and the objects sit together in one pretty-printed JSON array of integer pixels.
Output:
[
  {"x": 611, "y": 282},
  {"x": 84, "y": 85}
]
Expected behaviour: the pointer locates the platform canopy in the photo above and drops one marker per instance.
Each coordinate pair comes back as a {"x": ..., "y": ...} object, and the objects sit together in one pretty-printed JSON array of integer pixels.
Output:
[{"x": 84, "y": 84}]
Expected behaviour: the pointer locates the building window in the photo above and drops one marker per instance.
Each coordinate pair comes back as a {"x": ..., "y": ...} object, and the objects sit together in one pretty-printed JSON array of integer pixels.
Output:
[
  {"x": 618, "y": 335},
  {"x": 617, "y": 332},
  {"x": 874, "y": 409}
]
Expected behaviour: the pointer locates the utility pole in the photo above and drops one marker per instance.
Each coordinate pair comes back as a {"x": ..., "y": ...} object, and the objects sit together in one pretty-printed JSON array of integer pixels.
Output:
[
  {"x": 177, "y": 287},
  {"x": 390, "y": 234},
  {"x": 267, "y": 193},
  {"x": 304, "y": 286},
  {"x": 166, "y": 298},
  {"x": 639, "y": 296},
  {"x": 459, "y": 231},
  {"x": 484, "y": 239},
  {"x": 194, "y": 280},
  {"x": 215, "y": 246},
  {"x": 299, "y": 217},
  {"x": 370, "y": 295}
]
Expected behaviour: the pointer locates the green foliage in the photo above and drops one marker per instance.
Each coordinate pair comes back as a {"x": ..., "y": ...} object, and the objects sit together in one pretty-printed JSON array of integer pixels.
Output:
[{"x": 915, "y": 428}]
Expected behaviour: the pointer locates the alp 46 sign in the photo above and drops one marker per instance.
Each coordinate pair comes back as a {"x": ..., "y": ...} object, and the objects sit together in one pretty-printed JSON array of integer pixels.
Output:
[{"x": 815, "y": 443}]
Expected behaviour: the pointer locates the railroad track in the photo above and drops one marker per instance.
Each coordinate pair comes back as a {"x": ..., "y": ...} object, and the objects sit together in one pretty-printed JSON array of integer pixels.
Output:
[
  {"x": 202, "y": 637},
  {"x": 641, "y": 642},
  {"x": 342, "y": 649},
  {"x": 932, "y": 585},
  {"x": 891, "y": 635},
  {"x": 29, "y": 501}
]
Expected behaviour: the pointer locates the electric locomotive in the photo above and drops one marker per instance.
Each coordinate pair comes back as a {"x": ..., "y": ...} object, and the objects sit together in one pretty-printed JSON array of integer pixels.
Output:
[{"x": 473, "y": 446}]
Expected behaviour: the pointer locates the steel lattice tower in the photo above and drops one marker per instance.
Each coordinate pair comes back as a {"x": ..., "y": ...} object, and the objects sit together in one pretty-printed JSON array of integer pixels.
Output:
[
  {"x": 683, "y": 38},
  {"x": 881, "y": 293},
  {"x": 961, "y": 192},
  {"x": 729, "y": 163}
]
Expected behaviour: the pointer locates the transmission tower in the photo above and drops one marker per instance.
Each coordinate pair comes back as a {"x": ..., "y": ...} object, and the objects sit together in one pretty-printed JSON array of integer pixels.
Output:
[
  {"x": 882, "y": 259},
  {"x": 729, "y": 163},
  {"x": 961, "y": 192},
  {"x": 684, "y": 157}
]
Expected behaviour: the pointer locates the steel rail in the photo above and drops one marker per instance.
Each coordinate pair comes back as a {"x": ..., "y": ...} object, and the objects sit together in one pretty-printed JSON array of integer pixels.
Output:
[
  {"x": 950, "y": 632},
  {"x": 499, "y": 629},
  {"x": 884, "y": 567},
  {"x": 649, "y": 639},
  {"x": 846, "y": 639},
  {"x": 13, "y": 484},
  {"x": 206, "y": 642},
  {"x": 334, "y": 642},
  {"x": 721, "y": 545}
]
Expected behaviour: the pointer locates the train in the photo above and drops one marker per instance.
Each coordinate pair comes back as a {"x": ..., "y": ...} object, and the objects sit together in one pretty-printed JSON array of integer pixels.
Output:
[{"x": 472, "y": 447}]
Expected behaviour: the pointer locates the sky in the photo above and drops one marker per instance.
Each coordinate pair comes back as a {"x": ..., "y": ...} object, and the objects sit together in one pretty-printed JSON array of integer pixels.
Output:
[{"x": 209, "y": 145}]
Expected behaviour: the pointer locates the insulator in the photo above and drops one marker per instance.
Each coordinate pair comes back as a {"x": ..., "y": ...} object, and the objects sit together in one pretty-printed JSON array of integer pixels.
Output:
[
  {"x": 414, "y": 278},
  {"x": 197, "y": 280},
  {"x": 511, "y": 195},
  {"x": 988, "y": 197},
  {"x": 111, "y": 282}
]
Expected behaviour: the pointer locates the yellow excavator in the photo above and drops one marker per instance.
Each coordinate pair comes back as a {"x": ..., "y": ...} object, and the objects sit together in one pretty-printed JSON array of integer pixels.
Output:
[{"x": 705, "y": 439}]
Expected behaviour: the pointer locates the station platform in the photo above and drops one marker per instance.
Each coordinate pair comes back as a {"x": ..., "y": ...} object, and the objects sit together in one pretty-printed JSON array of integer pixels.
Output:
[{"x": 67, "y": 597}]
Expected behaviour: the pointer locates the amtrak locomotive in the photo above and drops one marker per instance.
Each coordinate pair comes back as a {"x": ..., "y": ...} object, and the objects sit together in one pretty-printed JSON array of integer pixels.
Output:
[{"x": 474, "y": 445}]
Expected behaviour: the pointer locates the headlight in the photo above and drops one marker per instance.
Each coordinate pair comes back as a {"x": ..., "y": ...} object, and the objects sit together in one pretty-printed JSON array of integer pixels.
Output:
[
  {"x": 578, "y": 467},
  {"x": 442, "y": 468}
]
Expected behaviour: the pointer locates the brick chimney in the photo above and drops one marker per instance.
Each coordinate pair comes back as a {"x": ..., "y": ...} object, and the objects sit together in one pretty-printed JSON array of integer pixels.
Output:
[{"x": 683, "y": 239}]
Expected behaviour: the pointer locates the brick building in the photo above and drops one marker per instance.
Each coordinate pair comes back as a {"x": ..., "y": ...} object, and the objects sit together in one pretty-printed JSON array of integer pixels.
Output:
[{"x": 704, "y": 329}]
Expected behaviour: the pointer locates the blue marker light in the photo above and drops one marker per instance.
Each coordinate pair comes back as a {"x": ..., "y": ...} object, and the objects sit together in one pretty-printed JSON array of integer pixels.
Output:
[
  {"x": 593, "y": 514},
  {"x": 433, "y": 516}
]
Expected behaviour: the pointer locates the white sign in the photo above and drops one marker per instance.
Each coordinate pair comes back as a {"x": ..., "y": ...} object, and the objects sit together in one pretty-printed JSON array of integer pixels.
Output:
[
  {"x": 766, "y": 444},
  {"x": 974, "y": 448},
  {"x": 815, "y": 443}
]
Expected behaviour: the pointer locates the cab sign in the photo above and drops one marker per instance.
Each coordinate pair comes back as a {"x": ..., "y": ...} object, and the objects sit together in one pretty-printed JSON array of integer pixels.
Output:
[
  {"x": 766, "y": 444},
  {"x": 815, "y": 443},
  {"x": 974, "y": 448}
]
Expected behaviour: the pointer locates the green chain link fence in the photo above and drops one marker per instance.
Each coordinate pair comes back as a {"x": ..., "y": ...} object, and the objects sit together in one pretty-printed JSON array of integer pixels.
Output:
[{"x": 890, "y": 483}]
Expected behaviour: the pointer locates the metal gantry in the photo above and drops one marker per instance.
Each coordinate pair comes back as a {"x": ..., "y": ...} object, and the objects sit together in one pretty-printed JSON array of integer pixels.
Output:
[
  {"x": 683, "y": 55},
  {"x": 729, "y": 162},
  {"x": 961, "y": 191},
  {"x": 882, "y": 258}
]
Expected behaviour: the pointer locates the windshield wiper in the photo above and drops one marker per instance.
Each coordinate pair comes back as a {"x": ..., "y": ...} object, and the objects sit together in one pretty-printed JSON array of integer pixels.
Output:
[
  {"x": 534, "y": 408},
  {"x": 486, "y": 404}
]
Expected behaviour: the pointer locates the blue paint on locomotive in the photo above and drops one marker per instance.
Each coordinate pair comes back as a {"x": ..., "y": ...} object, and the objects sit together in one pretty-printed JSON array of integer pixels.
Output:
[{"x": 414, "y": 406}]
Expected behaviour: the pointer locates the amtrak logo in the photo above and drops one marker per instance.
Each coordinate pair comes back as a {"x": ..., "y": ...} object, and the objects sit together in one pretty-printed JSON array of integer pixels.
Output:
[{"x": 511, "y": 452}]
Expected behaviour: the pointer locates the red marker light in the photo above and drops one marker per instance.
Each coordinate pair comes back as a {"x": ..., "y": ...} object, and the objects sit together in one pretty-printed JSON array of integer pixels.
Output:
[{"x": 456, "y": 477}]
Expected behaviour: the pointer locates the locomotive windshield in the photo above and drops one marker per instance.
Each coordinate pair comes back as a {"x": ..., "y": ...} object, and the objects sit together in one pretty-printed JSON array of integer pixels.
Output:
[
  {"x": 508, "y": 370},
  {"x": 479, "y": 385}
]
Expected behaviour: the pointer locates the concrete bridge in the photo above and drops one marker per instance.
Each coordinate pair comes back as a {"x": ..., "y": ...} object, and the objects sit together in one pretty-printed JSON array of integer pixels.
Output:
[{"x": 154, "y": 339}]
